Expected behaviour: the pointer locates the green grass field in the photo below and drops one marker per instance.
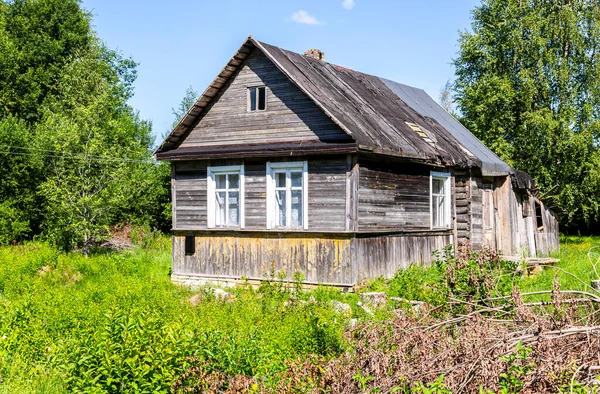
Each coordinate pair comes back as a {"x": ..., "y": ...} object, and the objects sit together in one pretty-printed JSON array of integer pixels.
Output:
[
  {"x": 113, "y": 322},
  {"x": 575, "y": 269}
]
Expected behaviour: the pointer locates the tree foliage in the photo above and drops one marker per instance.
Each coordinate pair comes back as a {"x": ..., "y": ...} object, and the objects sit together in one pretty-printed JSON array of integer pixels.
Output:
[
  {"x": 528, "y": 85},
  {"x": 76, "y": 158}
]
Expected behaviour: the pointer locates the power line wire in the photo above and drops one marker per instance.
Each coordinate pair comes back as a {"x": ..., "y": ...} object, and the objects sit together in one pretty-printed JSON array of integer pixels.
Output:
[{"x": 69, "y": 155}]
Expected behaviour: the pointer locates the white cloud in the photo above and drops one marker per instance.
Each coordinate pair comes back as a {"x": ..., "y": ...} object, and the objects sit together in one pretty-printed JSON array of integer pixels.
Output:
[
  {"x": 348, "y": 4},
  {"x": 304, "y": 17}
]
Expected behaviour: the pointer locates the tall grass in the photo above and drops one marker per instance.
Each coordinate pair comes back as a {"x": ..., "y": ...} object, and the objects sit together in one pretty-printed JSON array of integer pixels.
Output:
[
  {"x": 113, "y": 322},
  {"x": 574, "y": 271}
]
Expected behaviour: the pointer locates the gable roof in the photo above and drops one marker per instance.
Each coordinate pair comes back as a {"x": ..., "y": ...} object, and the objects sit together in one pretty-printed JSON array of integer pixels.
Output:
[{"x": 381, "y": 116}]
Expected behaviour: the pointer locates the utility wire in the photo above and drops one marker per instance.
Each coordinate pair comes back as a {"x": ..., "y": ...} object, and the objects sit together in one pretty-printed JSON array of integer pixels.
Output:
[{"x": 69, "y": 155}]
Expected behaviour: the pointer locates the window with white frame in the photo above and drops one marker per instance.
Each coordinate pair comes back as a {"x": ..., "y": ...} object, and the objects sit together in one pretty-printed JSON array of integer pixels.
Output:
[
  {"x": 439, "y": 186},
  {"x": 225, "y": 192},
  {"x": 287, "y": 200}
]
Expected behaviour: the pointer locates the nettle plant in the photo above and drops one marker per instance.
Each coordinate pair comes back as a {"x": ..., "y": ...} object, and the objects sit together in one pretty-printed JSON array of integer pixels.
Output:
[{"x": 470, "y": 275}]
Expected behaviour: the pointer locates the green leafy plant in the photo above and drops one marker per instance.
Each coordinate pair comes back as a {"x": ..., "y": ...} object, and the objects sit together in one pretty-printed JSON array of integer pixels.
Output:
[{"x": 512, "y": 381}]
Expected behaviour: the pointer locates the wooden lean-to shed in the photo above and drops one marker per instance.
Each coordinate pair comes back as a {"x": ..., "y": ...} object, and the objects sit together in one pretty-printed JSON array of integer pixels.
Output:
[{"x": 287, "y": 164}]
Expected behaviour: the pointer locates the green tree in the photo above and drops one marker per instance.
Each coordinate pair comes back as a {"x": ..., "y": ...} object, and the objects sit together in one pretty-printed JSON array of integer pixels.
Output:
[
  {"x": 99, "y": 167},
  {"x": 37, "y": 39},
  {"x": 528, "y": 85},
  {"x": 187, "y": 101},
  {"x": 18, "y": 174},
  {"x": 75, "y": 157}
]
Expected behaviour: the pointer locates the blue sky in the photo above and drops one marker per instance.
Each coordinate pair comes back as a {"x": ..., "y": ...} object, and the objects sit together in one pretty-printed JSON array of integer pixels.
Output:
[{"x": 179, "y": 43}]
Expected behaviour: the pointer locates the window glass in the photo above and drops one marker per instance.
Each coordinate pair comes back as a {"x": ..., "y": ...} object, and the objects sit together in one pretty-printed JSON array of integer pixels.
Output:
[
  {"x": 226, "y": 197},
  {"x": 234, "y": 213},
  {"x": 287, "y": 194},
  {"x": 257, "y": 98},
  {"x": 440, "y": 214},
  {"x": 296, "y": 219},
  {"x": 221, "y": 181},
  {"x": 280, "y": 179},
  {"x": 252, "y": 93},
  {"x": 281, "y": 207},
  {"x": 296, "y": 179},
  {"x": 262, "y": 99},
  {"x": 234, "y": 181},
  {"x": 220, "y": 207}
]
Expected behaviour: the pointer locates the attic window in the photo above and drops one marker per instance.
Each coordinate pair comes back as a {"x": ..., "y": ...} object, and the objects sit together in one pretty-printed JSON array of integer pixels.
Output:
[{"x": 257, "y": 98}]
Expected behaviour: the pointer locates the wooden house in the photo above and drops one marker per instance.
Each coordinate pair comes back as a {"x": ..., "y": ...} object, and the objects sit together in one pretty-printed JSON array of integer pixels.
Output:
[{"x": 287, "y": 163}]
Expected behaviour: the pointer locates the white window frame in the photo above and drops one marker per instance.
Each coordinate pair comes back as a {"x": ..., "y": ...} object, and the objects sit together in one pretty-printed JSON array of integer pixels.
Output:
[
  {"x": 272, "y": 168},
  {"x": 248, "y": 101},
  {"x": 211, "y": 190},
  {"x": 445, "y": 176}
]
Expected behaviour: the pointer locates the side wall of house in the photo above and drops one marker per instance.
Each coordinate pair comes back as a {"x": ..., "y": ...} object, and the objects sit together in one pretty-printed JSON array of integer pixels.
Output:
[
  {"x": 546, "y": 238},
  {"x": 384, "y": 254},
  {"x": 517, "y": 229},
  {"x": 393, "y": 195}
]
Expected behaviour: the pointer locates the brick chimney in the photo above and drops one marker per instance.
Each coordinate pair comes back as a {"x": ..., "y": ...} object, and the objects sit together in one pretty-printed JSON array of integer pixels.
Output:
[{"x": 315, "y": 54}]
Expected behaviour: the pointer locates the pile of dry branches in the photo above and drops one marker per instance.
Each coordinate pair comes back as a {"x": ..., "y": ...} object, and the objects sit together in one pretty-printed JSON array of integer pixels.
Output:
[{"x": 471, "y": 350}]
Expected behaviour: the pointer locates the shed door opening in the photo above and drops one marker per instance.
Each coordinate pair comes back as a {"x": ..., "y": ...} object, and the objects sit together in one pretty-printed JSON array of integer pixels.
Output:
[
  {"x": 489, "y": 228},
  {"x": 538, "y": 216}
]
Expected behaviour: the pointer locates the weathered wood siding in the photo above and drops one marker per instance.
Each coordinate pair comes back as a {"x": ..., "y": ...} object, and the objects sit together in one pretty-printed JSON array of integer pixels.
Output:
[
  {"x": 384, "y": 255},
  {"x": 546, "y": 240},
  {"x": 289, "y": 116},
  {"x": 327, "y": 179},
  {"x": 321, "y": 258},
  {"x": 393, "y": 196},
  {"x": 517, "y": 233}
]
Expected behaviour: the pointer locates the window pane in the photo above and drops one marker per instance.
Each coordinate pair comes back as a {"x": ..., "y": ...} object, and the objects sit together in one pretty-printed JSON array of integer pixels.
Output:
[
  {"x": 234, "y": 211},
  {"x": 280, "y": 179},
  {"x": 296, "y": 179},
  {"x": 220, "y": 181},
  {"x": 437, "y": 186},
  {"x": 220, "y": 206},
  {"x": 441, "y": 212},
  {"x": 262, "y": 98},
  {"x": 281, "y": 217},
  {"x": 252, "y": 93},
  {"x": 435, "y": 211},
  {"x": 296, "y": 218},
  {"x": 234, "y": 181}
]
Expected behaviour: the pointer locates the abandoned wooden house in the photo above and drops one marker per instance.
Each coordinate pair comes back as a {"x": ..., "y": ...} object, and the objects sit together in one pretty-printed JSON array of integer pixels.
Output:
[{"x": 290, "y": 164}]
